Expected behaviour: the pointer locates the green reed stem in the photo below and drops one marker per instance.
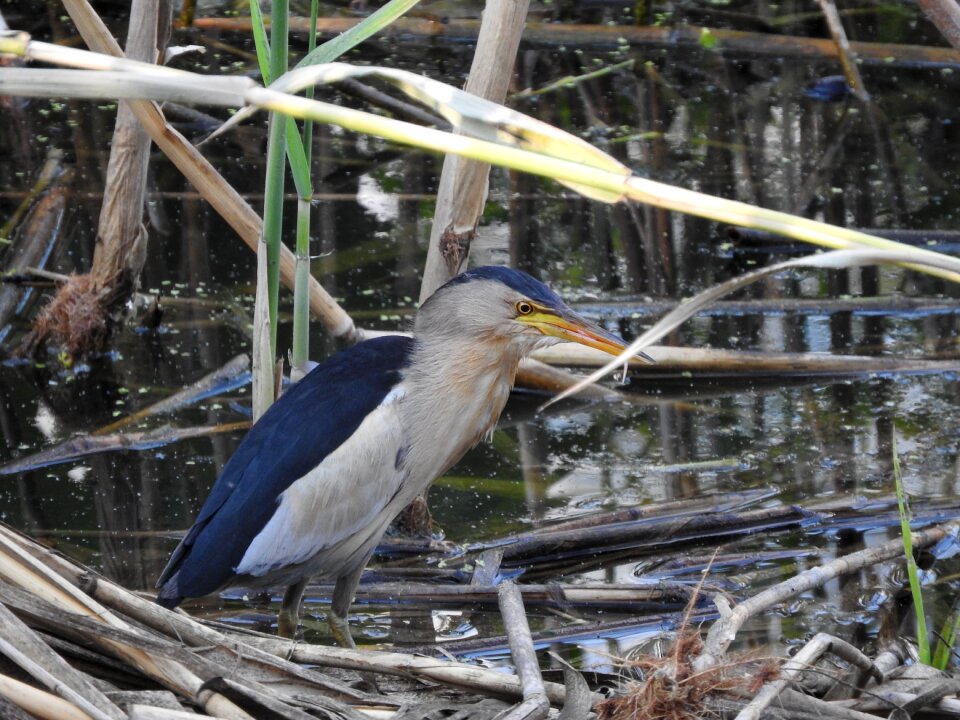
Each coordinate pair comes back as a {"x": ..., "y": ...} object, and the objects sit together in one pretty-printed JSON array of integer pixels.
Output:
[
  {"x": 276, "y": 166},
  {"x": 301, "y": 289}
]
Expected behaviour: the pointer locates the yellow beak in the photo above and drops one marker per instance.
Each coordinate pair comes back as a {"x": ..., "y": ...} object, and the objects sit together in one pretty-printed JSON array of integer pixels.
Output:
[{"x": 573, "y": 328}]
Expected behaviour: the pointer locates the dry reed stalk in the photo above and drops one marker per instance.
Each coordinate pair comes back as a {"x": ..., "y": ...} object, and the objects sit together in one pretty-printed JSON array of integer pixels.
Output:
[
  {"x": 25, "y": 648},
  {"x": 708, "y": 361},
  {"x": 846, "y": 55},
  {"x": 23, "y": 570},
  {"x": 264, "y": 378},
  {"x": 535, "y": 704},
  {"x": 945, "y": 14},
  {"x": 83, "y": 314},
  {"x": 38, "y": 703},
  {"x": 208, "y": 181},
  {"x": 463, "y": 183}
]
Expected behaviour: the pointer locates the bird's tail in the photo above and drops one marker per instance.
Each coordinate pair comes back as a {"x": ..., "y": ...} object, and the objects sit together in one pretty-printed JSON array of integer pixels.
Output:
[{"x": 169, "y": 595}]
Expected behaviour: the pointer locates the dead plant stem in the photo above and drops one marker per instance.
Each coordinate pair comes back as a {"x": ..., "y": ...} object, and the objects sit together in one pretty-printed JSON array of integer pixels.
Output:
[{"x": 724, "y": 631}]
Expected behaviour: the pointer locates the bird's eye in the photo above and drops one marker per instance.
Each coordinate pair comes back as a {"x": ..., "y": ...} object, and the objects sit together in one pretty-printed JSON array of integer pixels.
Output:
[{"x": 524, "y": 308}]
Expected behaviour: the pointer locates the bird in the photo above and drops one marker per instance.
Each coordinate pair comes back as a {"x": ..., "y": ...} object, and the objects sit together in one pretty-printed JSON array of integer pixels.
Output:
[{"x": 319, "y": 477}]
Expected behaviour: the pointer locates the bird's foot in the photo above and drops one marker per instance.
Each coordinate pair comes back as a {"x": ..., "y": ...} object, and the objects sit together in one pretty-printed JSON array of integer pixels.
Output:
[
  {"x": 287, "y": 624},
  {"x": 340, "y": 629}
]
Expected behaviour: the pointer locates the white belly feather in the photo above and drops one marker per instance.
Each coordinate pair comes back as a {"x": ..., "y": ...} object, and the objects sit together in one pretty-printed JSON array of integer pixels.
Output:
[{"x": 338, "y": 498}]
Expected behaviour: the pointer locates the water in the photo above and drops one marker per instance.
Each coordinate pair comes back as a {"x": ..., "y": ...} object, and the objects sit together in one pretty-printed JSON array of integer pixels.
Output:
[{"x": 739, "y": 127}]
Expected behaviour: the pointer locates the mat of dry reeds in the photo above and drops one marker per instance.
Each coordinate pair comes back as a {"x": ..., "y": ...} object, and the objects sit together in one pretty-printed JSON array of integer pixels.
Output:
[{"x": 73, "y": 644}]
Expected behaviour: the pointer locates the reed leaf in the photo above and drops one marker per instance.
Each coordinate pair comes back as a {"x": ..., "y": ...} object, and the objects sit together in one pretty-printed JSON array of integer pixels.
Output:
[
  {"x": 506, "y": 139},
  {"x": 299, "y": 163},
  {"x": 369, "y": 26},
  {"x": 260, "y": 40},
  {"x": 125, "y": 85},
  {"x": 838, "y": 259},
  {"x": 474, "y": 117}
]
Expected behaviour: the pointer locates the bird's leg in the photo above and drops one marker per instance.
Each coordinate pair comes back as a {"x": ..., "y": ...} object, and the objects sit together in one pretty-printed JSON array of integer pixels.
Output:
[
  {"x": 343, "y": 593},
  {"x": 289, "y": 616}
]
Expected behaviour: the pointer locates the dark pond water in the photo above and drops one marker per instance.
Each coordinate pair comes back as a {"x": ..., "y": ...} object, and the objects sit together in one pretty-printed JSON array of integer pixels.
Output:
[{"x": 735, "y": 125}]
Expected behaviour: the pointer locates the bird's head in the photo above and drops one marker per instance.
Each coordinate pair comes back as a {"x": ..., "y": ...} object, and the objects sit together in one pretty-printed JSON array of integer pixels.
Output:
[{"x": 500, "y": 304}]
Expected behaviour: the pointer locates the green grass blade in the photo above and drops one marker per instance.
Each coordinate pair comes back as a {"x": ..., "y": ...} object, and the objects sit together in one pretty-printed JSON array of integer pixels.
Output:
[
  {"x": 261, "y": 41},
  {"x": 299, "y": 164},
  {"x": 923, "y": 643},
  {"x": 946, "y": 641},
  {"x": 371, "y": 25}
]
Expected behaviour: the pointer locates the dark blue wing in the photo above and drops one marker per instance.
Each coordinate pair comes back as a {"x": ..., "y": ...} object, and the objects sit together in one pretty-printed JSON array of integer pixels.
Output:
[{"x": 306, "y": 424}]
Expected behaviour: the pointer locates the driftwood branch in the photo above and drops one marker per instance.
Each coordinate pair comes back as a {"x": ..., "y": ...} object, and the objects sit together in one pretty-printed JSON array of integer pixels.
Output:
[
  {"x": 723, "y": 632},
  {"x": 535, "y": 704},
  {"x": 730, "y": 43},
  {"x": 819, "y": 645},
  {"x": 121, "y": 246},
  {"x": 164, "y": 635}
]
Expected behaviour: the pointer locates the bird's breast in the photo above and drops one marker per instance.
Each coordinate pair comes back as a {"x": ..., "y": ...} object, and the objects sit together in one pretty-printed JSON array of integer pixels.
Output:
[{"x": 449, "y": 420}]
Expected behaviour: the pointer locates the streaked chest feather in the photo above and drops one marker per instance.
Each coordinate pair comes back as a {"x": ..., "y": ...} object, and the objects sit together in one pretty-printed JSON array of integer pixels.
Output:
[{"x": 450, "y": 418}]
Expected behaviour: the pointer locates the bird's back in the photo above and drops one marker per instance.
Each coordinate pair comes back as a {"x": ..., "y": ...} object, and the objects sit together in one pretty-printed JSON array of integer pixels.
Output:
[{"x": 307, "y": 424}]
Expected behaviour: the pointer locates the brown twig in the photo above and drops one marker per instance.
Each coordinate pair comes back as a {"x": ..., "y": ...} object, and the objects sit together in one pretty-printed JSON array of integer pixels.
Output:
[
  {"x": 664, "y": 595},
  {"x": 848, "y": 58}
]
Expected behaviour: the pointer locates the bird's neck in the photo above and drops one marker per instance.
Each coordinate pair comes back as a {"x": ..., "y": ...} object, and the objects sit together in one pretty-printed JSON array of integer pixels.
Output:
[{"x": 455, "y": 394}]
